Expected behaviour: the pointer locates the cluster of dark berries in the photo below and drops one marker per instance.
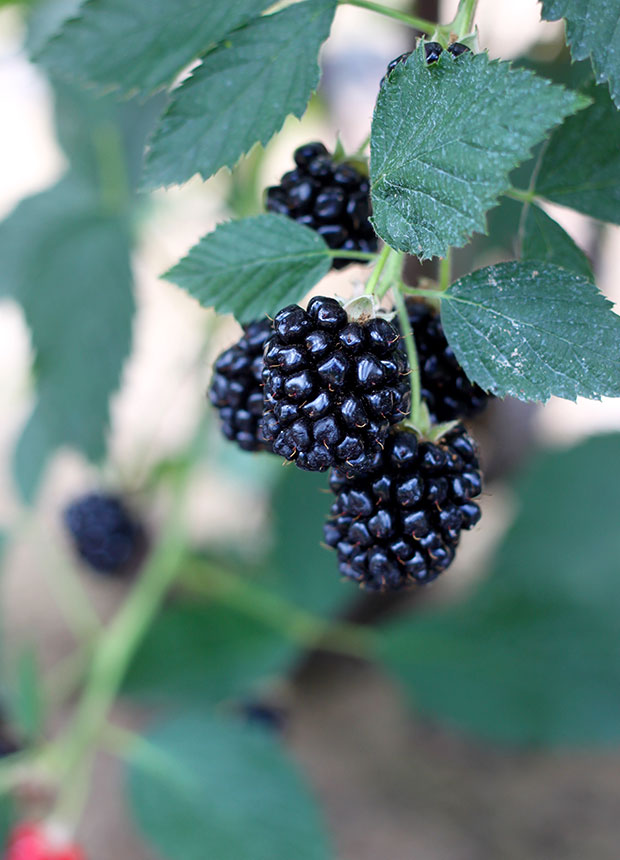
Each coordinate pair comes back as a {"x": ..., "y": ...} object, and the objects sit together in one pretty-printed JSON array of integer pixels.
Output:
[
  {"x": 447, "y": 391},
  {"x": 105, "y": 534},
  {"x": 432, "y": 52},
  {"x": 237, "y": 388},
  {"x": 332, "y": 386},
  {"x": 401, "y": 523},
  {"x": 331, "y": 198}
]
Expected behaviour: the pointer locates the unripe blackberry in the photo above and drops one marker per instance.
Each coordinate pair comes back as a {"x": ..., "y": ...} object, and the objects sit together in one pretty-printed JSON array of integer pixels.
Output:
[
  {"x": 333, "y": 386},
  {"x": 400, "y": 524},
  {"x": 37, "y": 841},
  {"x": 105, "y": 535},
  {"x": 447, "y": 391},
  {"x": 236, "y": 389},
  {"x": 333, "y": 199}
]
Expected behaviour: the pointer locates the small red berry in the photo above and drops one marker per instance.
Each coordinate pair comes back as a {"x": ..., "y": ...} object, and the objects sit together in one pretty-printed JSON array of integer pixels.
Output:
[{"x": 36, "y": 842}]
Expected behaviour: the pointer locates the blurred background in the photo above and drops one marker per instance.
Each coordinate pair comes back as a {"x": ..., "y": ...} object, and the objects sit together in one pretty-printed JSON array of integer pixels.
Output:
[{"x": 391, "y": 782}]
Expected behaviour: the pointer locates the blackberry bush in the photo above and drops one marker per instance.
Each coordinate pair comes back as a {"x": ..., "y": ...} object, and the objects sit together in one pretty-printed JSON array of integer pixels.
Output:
[
  {"x": 333, "y": 386},
  {"x": 331, "y": 198},
  {"x": 446, "y": 390},
  {"x": 400, "y": 524},
  {"x": 105, "y": 534},
  {"x": 236, "y": 389}
]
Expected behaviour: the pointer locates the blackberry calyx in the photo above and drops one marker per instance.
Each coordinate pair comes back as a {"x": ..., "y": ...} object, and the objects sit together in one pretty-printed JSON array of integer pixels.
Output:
[
  {"x": 400, "y": 525},
  {"x": 447, "y": 391},
  {"x": 236, "y": 389},
  {"x": 104, "y": 533},
  {"x": 332, "y": 386},
  {"x": 332, "y": 199}
]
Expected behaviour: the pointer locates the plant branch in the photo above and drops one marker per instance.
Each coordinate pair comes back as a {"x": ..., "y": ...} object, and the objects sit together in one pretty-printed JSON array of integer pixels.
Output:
[
  {"x": 427, "y": 27},
  {"x": 523, "y": 195},
  {"x": 445, "y": 272},
  {"x": 418, "y": 417},
  {"x": 373, "y": 280},
  {"x": 251, "y": 598}
]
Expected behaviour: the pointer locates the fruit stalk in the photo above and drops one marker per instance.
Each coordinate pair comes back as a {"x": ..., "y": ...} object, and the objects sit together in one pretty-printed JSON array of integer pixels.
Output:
[{"x": 418, "y": 417}]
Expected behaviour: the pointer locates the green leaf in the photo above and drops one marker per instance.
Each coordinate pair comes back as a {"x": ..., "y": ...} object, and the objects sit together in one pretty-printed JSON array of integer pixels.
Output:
[
  {"x": 301, "y": 569},
  {"x": 544, "y": 239},
  {"x": 204, "y": 654},
  {"x": 241, "y": 93},
  {"x": 533, "y": 656},
  {"x": 68, "y": 266},
  {"x": 444, "y": 139},
  {"x": 141, "y": 45},
  {"x": 253, "y": 266},
  {"x": 533, "y": 330},
  {"x": 592, "y": 30},
  {"x": 581, "y": 165},
  {"x": 237, "y": 797}
]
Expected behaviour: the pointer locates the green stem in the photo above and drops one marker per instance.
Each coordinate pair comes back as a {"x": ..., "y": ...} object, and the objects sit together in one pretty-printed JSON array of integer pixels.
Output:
[
  {"x": 373, "y": 280},
  {"x": 464, "y": 19},
  {"x": 445, "y": 272},
  {"x": 116, "y": 647},
  {"x": 524, "y": 195},
  {"x": 421, "y": 24},
  {"x": 417, "y": 412},
  {"x": 391, "y": 275},
  {"x": 423, "y": 294},
  {"x": 302, "y": 627},
  {"x": 353, "y": 255}
]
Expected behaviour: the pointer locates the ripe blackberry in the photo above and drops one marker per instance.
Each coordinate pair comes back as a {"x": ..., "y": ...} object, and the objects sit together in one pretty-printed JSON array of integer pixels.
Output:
[
  {"x": 333, "y": 386},
  {"x": 432, "y": 51},
  {"x": 457, "y": 48},
  {"x": 400, "y": 524},
  {"x": 333, "y": 199},
  {"x": 447, "y": 391},
  {"x": 236, "y": 389},
  {"x": 105, "y": 535}
]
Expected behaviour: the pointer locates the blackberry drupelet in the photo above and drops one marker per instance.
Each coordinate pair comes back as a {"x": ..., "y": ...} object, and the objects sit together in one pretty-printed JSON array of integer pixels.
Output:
[
  {"x": 432, "y": 51},
  {"x": 333, "y": 386},
  {"x": 400, "y": 524},
  {"x": 333, "y": 199},
  {"x": 447, "y": 391},
  {"x": 105, "y": 535},
  {"x": 236, "y": 389}
]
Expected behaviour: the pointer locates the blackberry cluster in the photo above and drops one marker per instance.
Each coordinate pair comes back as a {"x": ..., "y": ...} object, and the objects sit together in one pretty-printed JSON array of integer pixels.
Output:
[
  {"x": 432, "y": 51},
  {"x": 447, "y": 391},
  {"x": 333, "y": 199},
  {"x": 104, "y": 533},
  {"x": 332, "y": 387},
  {"x": 237, "y": 388},
  {"x": 401, "y": 524}
]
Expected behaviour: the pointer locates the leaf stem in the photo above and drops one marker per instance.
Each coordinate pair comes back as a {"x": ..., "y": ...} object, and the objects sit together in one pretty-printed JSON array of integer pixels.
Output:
[
  {"x": 418, "y": 417},
  {"x": 413, "y": 21},
  {"x": 424, "y": 294},
  {"x": 373, "y": 280},
  {"x": 445, "y": 272},
  {"x": 524, "y": 195}
]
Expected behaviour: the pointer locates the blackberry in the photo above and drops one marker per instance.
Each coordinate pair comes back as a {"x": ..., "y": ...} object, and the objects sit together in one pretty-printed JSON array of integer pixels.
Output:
[
  {"x": 236, "y": 389},
  {"x": 333, "y": 199},
  {"x": 333, "y": 386},
  {"x": 400, "y": 524},
  {"x": 457, "y": 48},
  {"x": 432, "y": 51},
  {"x": 447, "y": 391},
  {"x": 105, "y": 535}
]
